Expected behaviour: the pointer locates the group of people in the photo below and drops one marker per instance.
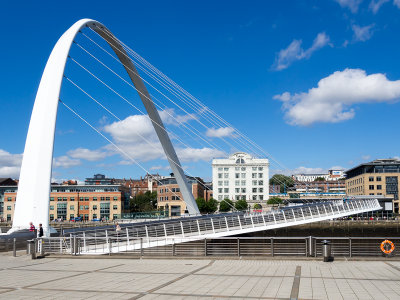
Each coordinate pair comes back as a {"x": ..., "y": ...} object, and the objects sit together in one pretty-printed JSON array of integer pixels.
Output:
[{"x": 32, "y": 228}]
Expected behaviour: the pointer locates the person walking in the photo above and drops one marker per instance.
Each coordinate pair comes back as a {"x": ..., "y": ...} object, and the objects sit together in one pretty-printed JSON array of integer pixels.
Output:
[
  {"x": 117, "y": 230},
  {"x": 40, "y": 233},
  {"x": 31, "y": 227}
]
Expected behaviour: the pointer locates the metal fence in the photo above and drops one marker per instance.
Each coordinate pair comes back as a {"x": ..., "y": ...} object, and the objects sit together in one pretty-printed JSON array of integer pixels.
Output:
[{"x": 225, "y": 246}]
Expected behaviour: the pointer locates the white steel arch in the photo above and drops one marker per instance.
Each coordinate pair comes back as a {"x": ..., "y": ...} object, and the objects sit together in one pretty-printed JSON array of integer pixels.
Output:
[{"x": 32, "y": 203}]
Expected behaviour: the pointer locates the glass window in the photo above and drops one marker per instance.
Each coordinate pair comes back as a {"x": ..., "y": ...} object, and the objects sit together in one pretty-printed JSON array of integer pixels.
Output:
[
  {"x": 80, "y": 198},
  {"x": 226, "y": 190},
  {"x": 94, "y": 216},
  {"x": 51, "y": 207},
  {"x": 62, "y": 210},
  {"x": 219, "y": 169},
  {"x": 243, "y": 190},
  {"x": 371, "y": 178},
  {"x": 254, "y": 175},
  {"x": 8, "y": 207},
  {"x": 107, "y": 198},
  {"x": 51, "y": 217},
  {"x": 73, "y": 199},
  {"x": 237, "y": 182},
  {"x": 260, "y": 182},
  {"x": 254, "y": 182},
  {"x": 379, "y": 187},
  {"x": 220, "y": 182},
  {"x": 378, "y": 178},
  {"x": 226, "y": 169},
  {"x": 65, "y": 199},
  {"x": 115, "y": 207},
  {"x": 261, "y": 190},
  {"x": 237, "y": 175},
  {"x": 86, "y": 206},
  {"x": 105, "y": 210},
  {"x": 220, "y": 197},
  {"x": 254, "y": 190},
  {"x": 260, "y": 168},
  {"x": 243, "y": 168},
  {"x": 9, "y": 198},
  {"x": 261, "y": 197},
  {"x": 371, "y": 187},
  {"x": 243, "y": 182},
  {"x": 237, "y": 190},
  {"x": 81, "y": 207},
  {"x": 59, "y": 199},
  {"x": 243, "y": 175},
  {"x": 254, "y": 168},
  {"x": 86, "y": 198},
  {"x": 260, "y": 175},
  {"x": 72, "y": 207},
  {"x": 51, "y": 198},
  {"x": 71, "y": 216},
  {"x": 226, "y": 175},
  {"x": 237, "y": 168},
  {"x": 226, "y": 197},
  {"x": 226, "y": 183},
  {"x": 219, "y": 175},
  {"x": 254, "y": 197},
  {"x": 220, "y": 190}
]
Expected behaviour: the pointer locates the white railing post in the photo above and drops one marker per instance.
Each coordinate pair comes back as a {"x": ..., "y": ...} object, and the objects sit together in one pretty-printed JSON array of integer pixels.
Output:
[
  {"x": 294, "y": 217},
  {"x": 319, "y": 214},
  {"x": 212, "y": 225},
  {"x": 147, "y": 235},
  {"x": 183, "y": 233},
  {"x": 127, "y": 236},
  {"x": 226, "y": 222},
  {"x": 84, "y": 241},
  {"x": 165, "y": 230},
  {"x": 312, "y": 216},
  {"x": 198, "y": 226},
  {"x": 283, "y": 212},
  {"x": 240, "y": 223},
  {"x": 273, "y": 214},
  {"x": 265, "y": 224},
  {"x": 333, "y": 213},
  {"x": 252, "y": 222},
  {"x": 325, "y": 209},
  {"x": 107, "y": 238},
  {"x": 302, "y": 213}
]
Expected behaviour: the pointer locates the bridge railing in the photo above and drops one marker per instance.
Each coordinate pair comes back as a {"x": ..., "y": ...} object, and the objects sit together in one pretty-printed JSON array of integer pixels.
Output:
[{"x": 308, "y": 246}]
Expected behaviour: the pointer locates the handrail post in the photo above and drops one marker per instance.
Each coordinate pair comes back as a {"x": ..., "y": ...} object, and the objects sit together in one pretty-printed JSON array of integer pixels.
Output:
[
  {"x": 109, "y": 246},
  {"x": 238, "y": 247},
  {"x": 310, "y": 242},
  {"x": 226, "y": 222},
  {"x": 127, "y": 236},
  {"x": 350, "y": 248},
  {"x": 205, "y": 247},
  {"x": 272, "y": 246},
  {"x": 15, "y": 247},
  {"x": 141, "y": 247},
  {"x": 240, "y": 223}
]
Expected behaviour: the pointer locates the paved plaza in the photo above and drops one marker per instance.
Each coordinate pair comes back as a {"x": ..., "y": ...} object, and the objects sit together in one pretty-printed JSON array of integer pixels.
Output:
[{"x": 131, "y": 278}]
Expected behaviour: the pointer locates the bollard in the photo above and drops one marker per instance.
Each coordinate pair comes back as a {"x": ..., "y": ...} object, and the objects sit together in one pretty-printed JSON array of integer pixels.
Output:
[
  {"x": 326, "y": 251},
  {"x": 109, "y": 246},
  {"x": 32, "y": 248},
  {"x": 15, "y": 247}
]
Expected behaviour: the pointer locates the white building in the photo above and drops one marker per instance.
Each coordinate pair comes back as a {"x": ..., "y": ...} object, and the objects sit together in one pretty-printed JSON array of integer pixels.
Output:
[
  {"x": 240, "y": 177},
  {"x": 332, "y": 175}
]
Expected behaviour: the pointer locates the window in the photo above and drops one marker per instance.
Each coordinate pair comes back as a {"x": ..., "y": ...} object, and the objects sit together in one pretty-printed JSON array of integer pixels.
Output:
[
  {"x": 166, "y": 198},
  {"x": 94, "y": 216},
  {"x": 219, "y": 175},
  {"x": 175, "y": 198},
  {"x": 71, "y": 216},
  {"x": 80, "y": 198},
  {"x": 102, "y": 198},
  {"x": 243, "y": 182},
  {"x": 237, "y": 190},
  {"x": 9, "y": 198},
  {"x": 59, "y": 199},
  {"x": 237, "y": 175},
  {"x": 220, "y": 197},
  {"x": 243, "y": 168},
  {"x": 51, "y": 207},
  {"x": 254, "y": 175},
  {"x": 237, "y": 197},
  {"x": 254, "y": 197},
  {"x": 261, "y": 197},
  {"x": 254, "y": 182},
  {"x": 115, "y": 207},
  {"x": 73, "y": 199},
  {"x": 260, "y": 168},
  {"x": 378, "y": 178},
  {"x": 261, "y": 190},
  {"x": 226, "y": 175},
  {"x": 226, "y": 190},
  {"x": 62, "y": 210},
  {"x": 86, "y": 198},
  {"x": 254, "y": 168},
  {"x": 371, "y": 193},
  {"x": 220, "y": 183},
  {"x": 254, "y": 190},
  {"x": 260, "y": 182},
  {"x": 243, "y": 190},
  {"x": 220, "y": 190},
  {"x": 260, "y": 175},
  {"x": 226, "y": 169},
  {"x": 237, "y": 168},
  {"x": 72, "y": 207},
  {"x": 219, "y": 169},
  {"x": 65, "y": 199},
  {"x": 81, "y": 207},
  {"x": 107, "y": 198},
  {"x": 166, "y": 190},
  {"x": 379, "y": 187},
  {"x": 243, "y": 175},
  {"x": 86, "y": 207},
  {"x": 226, "y": 183},
  {"x": 105, "y": 210},
  {"x": 371, "y": 187},
  {"x": 243, "y": 197},
  {"x": 51, "y": 198},
  {"x": 115, "y": 198},
  {"x": 51, "y": 217},
  {"x": 371, "y": 178},
  {"x": 8, "y": 207},
  {"x": 237, "y": 182},
  {"x": 379, "y": 193}
]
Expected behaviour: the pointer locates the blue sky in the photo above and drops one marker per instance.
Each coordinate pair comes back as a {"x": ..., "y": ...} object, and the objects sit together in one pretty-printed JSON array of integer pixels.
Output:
[{"x": 314, "y": 83}]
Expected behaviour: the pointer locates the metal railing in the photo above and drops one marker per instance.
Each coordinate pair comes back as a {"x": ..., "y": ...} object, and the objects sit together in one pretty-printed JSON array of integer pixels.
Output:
[
  {"x": 224, "y": 246},
  {"x": 157, "y": 233}
]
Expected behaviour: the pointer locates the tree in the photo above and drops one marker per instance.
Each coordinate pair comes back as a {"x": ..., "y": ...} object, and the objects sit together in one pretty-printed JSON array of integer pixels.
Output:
[
  {"x": 143, "y": 202},
  {"x": 241, "y": 204},
  {"x": 274, "y": 200},
  {"x": 257, "y": 206},
  {"x": 319, "y": 179},
  {"x": 207, "y": 207},
  {"x": 283, "y": 181},
  {"x": 225, "y": 205}
]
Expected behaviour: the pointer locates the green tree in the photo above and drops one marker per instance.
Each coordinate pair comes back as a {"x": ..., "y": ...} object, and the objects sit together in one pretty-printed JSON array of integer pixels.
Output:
[
  {"x": 319, "y": 179},
  {"x": 144, "y": 202},
  {"x": 207, "y": 207},
  {"x": 274, "y": 200},
  {"x": 281, "y": 180},
  {"x": 225, "y": 205},
  {"x": 257, "y": 206},
  {"x": 241, "y": 204}
]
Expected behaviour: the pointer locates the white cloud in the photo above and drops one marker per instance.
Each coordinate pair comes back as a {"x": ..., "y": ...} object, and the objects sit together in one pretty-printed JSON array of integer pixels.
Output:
[
  {"x": 350, "y": 4},
  {"x": 169, "y": 117},
  {"x": 220, "y": 132},
  {"x": 362, "y": 34},
  {"x": 396, "y": 3},
  {"x": 295, "y": 52},
  {"x": 10, "y": 164},
  {"x": 65, "y": 162},
  {"x": 83, "y": 153},
  {"x": 196, "y": 154},
  {"x": 375, "y": 5},
  {"x": 366, "y": 157},
  {"x": 331, "y": 100},
  {"x": 153, "y": 168}
]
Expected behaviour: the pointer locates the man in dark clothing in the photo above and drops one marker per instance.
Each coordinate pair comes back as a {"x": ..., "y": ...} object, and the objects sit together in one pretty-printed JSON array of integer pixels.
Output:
[{"x": 40, "y": 230}]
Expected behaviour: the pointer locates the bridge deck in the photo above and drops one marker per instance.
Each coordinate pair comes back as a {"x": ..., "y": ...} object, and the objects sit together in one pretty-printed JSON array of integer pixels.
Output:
[{"x": 162, "y": 233}]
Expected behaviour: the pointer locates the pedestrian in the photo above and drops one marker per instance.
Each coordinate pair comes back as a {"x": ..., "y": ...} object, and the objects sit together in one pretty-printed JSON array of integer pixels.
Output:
[
  {"x": 40, "y": 230},
  {"x": 31, "y": 227},
  {"x": 117, "y": 228}
]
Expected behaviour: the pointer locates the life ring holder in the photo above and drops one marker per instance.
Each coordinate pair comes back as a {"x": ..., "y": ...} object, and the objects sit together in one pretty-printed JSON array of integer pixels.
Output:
[{"x": 384, "y": 247}]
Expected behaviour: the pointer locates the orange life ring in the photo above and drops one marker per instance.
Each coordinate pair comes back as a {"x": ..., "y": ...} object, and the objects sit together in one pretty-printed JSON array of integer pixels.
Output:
[{"x": 384, "y": 247}]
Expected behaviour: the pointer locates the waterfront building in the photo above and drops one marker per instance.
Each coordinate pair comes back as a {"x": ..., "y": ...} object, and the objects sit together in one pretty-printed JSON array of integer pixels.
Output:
[
  {"x": 67, "y": 202},
  {"x": 241, "y": 176},
  {"x": 169, "y": 197},
  {"x": 379, "y": 177},
  {"x": 140, "y": 186},
  {"x": 332, "y": 175}
]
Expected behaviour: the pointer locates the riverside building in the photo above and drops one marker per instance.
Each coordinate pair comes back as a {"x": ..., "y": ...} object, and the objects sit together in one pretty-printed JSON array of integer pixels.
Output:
[
  {"x": 379, "y": 177},
  {"x": 241, "y": 176}
]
